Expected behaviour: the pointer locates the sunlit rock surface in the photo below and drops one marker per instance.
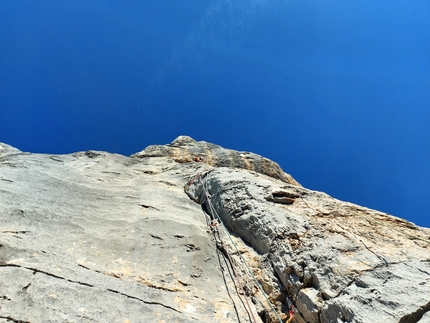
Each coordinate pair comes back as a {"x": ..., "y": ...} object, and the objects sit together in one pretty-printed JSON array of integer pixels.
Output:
[
  {"x": 100, "y": 237},
  {"x": 185, "y": 149}
]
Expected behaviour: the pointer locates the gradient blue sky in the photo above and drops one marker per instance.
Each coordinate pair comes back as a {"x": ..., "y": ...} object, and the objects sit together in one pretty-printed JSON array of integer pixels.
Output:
[{"x": 336, "y": 91}]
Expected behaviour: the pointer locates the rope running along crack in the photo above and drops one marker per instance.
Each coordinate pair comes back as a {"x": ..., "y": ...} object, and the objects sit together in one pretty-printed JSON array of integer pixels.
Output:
[{"x": 218, "y": 218}]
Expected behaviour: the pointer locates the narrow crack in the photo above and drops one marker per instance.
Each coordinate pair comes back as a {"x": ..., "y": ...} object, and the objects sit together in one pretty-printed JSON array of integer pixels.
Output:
[
  {"x": 149, "y": 207},
  {"x": 81, "y": 283},
  {"x": 59, "y": 277},
  {"x": 423, "y": 271},
  {"x": 342, "y": 291},
  {"x": 379, "y": 256},
  {"x": 143, "y": 301},
  {"x": 25, "y": 287},
  {"x": 35, "y": 270},
  {"x": 11, "y": 319},
  {"x": 7, "y": 180}
]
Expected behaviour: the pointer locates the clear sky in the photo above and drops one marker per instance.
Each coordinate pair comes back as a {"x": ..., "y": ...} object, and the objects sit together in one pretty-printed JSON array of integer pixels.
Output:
[{"x": 336, "y": 91}]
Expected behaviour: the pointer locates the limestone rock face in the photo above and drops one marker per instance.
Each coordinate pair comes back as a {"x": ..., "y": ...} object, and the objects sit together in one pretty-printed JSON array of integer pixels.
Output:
[
  {"x": 338, "y": 262},
  {"x": 185, "y": 149},
  {"x": 8, "y": 150},
  {"x": 193, "y": 232}
]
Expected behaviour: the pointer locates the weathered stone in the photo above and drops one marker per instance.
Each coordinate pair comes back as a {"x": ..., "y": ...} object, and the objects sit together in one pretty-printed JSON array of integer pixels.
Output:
[
  {"x": 309, "y": 304},
  {"x": 184, "y": 149},
  {"x": 425, "y": 318},
  {"x": 8, "y": 150},
  {"x": 99, "y": 237},
  {"x": 341, "y": 250}
]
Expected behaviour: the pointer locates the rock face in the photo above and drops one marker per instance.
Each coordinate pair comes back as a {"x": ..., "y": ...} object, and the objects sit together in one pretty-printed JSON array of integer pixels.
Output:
[
  {"x": 185, "y": 149},
  {"x": 193, "y": 232}
]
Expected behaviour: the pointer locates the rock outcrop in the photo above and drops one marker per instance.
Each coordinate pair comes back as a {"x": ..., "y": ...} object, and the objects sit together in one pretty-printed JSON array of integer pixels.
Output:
[
  {"x": 185, "y": 149},
  {"x": 193, "y": 232}
]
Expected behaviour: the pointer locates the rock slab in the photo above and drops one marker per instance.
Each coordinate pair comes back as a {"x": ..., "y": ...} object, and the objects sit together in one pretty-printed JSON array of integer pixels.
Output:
[{"x": 193, "y": 232}]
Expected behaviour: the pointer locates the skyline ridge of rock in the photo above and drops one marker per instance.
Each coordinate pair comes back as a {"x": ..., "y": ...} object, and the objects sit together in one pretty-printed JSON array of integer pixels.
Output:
[
  {"x": 193, "y": 232},
  {"x": 185, "y": 149}
]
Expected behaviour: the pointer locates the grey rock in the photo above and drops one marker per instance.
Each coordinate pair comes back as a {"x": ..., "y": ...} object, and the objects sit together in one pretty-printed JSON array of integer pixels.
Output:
[
  {"x": 309, "y": 304},
  {"x": 100, "y": 237},
  {"x": 184, "y": 149},
  {"x": 6, "y": 149},
  {"x": 425, "y": 318},
  {"x": 365, "y": 264}
]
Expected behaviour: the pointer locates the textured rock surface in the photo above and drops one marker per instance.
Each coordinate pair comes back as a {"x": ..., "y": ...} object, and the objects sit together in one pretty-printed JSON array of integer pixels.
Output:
[
  {"x": 185, "y": 149},
  {"x": 365, "y": 265},
  {"x": 99, "y": 237}
]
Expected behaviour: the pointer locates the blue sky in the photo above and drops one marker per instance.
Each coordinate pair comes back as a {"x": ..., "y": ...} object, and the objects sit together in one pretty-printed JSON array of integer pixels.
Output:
[{"x": 336, "y": 91}]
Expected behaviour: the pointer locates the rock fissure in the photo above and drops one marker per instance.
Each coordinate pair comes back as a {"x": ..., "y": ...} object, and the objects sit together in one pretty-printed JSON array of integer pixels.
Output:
[
  {"x": 143, "y": 301},
  {"x": 25, "y": 287},
  {"x": 88, "y": 285},
  {"x": 11, "y": 319},
  {"x": 35, "y": 270},
  {"x": 148, "y": 207},
  {"x": 379, "y": 256},
  {"x": 419, "y": 269},
  {"x": 7, "y": 180}
]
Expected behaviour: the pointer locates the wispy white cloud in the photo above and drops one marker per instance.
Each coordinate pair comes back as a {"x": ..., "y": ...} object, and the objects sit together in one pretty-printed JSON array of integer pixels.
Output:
[{"x": 222, "y": 27}]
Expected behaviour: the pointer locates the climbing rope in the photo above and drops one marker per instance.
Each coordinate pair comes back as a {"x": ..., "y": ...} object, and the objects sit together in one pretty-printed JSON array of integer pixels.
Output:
[
  {"x": 193, "y": 179},
  {"x": 214, "y": 226},
  {"x": 291, "y": 314},
  {"x": 202, "y": 178},
  {"x": 214, "y": 213}
]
